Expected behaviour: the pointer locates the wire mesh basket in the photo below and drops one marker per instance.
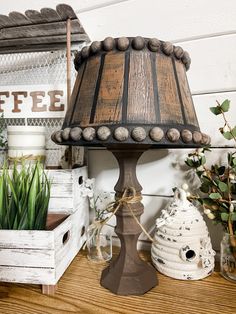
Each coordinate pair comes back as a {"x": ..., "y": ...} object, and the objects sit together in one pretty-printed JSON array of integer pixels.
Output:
[{"x": 37, "y": 68}]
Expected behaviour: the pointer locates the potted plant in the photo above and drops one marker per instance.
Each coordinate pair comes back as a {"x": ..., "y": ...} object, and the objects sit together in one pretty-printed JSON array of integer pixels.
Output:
[
  {"x": 42, "y": 223},
  {"x": 24, "y": 198},
  {"x": 217, "y": 192}
]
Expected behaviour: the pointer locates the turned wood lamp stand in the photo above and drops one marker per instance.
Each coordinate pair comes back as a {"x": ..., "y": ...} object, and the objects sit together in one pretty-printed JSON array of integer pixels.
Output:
[
  {"x": 119, "y": 275},
  {"x": 130, "y": 94}
]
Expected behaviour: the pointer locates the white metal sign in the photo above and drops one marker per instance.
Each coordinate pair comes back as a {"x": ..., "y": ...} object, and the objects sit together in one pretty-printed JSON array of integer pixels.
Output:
[{"x": 33, "y": 101}]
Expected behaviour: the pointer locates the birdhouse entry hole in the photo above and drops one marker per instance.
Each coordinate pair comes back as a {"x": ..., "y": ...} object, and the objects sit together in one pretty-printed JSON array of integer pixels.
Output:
[
  {"x": 80, "y": 180},
  {"x": 190, "y": 254}
]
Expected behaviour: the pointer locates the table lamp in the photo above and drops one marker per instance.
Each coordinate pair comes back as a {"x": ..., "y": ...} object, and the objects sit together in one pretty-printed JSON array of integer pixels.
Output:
[{"x": 130, "y": 95}]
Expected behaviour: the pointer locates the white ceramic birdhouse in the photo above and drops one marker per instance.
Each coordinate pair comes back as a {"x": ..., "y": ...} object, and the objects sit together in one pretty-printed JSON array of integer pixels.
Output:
[{"x": 182, "y": 247}]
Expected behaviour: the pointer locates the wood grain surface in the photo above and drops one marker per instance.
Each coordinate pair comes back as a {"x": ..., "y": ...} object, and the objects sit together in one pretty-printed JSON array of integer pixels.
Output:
[
  {"x": 140, "y": 89},
  {"x": 29, "y": 31},
  {"x": 79, "y": 291},
  {"x": 170, "y": 108},
  {"x": 109, "y": 103}
]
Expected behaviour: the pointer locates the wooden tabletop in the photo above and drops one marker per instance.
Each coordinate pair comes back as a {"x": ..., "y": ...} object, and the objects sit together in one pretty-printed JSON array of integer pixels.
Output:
[{"x": 79, "y": 291}]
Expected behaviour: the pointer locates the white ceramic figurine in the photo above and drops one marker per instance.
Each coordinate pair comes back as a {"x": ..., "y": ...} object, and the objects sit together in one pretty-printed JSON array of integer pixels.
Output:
[{"x": 182, "y": 247}]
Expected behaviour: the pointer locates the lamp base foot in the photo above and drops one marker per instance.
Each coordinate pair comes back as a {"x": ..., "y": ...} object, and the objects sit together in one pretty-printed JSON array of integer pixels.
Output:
[{"x": 133, "y": 283}]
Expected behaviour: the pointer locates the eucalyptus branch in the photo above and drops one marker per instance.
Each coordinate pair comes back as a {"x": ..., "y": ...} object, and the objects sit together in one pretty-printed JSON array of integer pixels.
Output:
[
  {"x": 218, "y": 182},
  {"x": 226, "y": 122}
]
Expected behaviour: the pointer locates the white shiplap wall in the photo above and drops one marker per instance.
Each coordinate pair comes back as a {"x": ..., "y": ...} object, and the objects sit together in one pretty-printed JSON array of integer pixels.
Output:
[{"x": 207, "y": 30}]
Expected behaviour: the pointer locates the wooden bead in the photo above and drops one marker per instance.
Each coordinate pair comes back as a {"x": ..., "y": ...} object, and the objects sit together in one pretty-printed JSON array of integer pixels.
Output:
[
  {"x": 186, "y": 60},
  {"x": 75, "y": 134},
  {"x": 139, "y": 134},
  {"x": 197, "y": 137},
  {"x": 108, "y": 43},
  {"x": 167, "y": 48},
  {"x": 186, "y": 135},
  {"x": 209, "y": 140},
  {"x": 156, "y": 134},
  {"x": 103, "y": 133},
  {"x": 179, "y": 52},
  {"x": 205, "y": 139},
  {"x": 121, "y": 134},
  {"x": 138, "y": 43},
  {"x": 122, "y": 43},
  {"x": 85, "y": 52},
  {"x": 53, "y": 136},
  {"x": 154, "y": 44},
  {"x": 173, "y": 135},
  {"x": 89, "y": 134},
  {"x": 66, "y": 134},
  {"x": 57, "y": 136},
  {"x": 96, "y": 46}
]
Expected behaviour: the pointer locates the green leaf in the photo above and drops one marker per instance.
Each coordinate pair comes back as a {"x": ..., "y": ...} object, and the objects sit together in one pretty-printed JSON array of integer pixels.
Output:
[
  {"x": 189, "y": 162},
  {"x": 227, "y": 135},
  {"x": 223, "y": 186},
  {"x": 234, "y": 131},
  {"x": 230, "y": 158},
  {"x": 233, "y": 216},
  {"x": 203, "y": 160},
  {"x": 224, "y": 216},
  {"x": 204, "y": 187},
  {"x": 225, "y": 105},
  {"x": 199, "y": 173},
  {"x": 215, "y": 110},
  {"x": 215, "y": 196},
  {"x": 207, "y": 201}
]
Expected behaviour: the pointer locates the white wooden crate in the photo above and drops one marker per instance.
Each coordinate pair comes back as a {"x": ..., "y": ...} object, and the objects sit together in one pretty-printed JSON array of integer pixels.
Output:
[{"x": 41, "y": 257}]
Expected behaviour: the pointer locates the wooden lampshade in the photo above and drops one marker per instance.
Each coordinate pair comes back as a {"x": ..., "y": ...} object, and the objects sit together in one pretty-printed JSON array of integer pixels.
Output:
[
  {"x": 131, "y": 94},
  {"x": 131, "y": 91}
]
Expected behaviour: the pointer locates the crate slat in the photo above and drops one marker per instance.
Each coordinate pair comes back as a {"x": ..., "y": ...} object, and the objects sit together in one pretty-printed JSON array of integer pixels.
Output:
[
  {"x": 27, "y": 257},
  {"x": 30, "y": 275},
  {"x": 26, "y": 239}
]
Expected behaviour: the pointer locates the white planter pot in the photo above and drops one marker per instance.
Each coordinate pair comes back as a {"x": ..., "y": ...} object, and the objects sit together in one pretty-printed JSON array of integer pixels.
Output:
[{"x": 26, "y": 141}]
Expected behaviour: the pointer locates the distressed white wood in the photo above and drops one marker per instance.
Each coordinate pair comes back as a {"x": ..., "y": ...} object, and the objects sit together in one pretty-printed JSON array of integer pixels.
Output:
[
  {"x": 41, "y": 257},
  {"x": 158, "y": 170},
  {"x": 59, "y": 176},
  {"x": 65, "y": 193},
  {"x": 31, "y": 275},
  {"x": 213, "y": 66},
  {"x": 58, "y": 190},
  {"x": 60, "y": 205},
  {"x": 24, "y": 239},
  {"x": 27, "y": 257},
  {"x": 66, "y": 252},
  {"x": 169, "y": 20},
  {"x": 83, "y": 5}
]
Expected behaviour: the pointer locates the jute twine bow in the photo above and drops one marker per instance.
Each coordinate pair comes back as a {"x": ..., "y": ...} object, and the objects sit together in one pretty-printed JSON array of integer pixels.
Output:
[
  {"x": 27, "y": 158},
  {"x": 126, "y": 200}
]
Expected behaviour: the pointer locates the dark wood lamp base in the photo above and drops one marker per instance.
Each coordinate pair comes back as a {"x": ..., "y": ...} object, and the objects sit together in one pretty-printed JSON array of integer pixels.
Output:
[{"x": 128, "y": 274}]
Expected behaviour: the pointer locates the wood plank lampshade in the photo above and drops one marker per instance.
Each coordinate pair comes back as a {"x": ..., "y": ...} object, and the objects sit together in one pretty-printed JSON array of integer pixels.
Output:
[{"x": 131, "y": 94}]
